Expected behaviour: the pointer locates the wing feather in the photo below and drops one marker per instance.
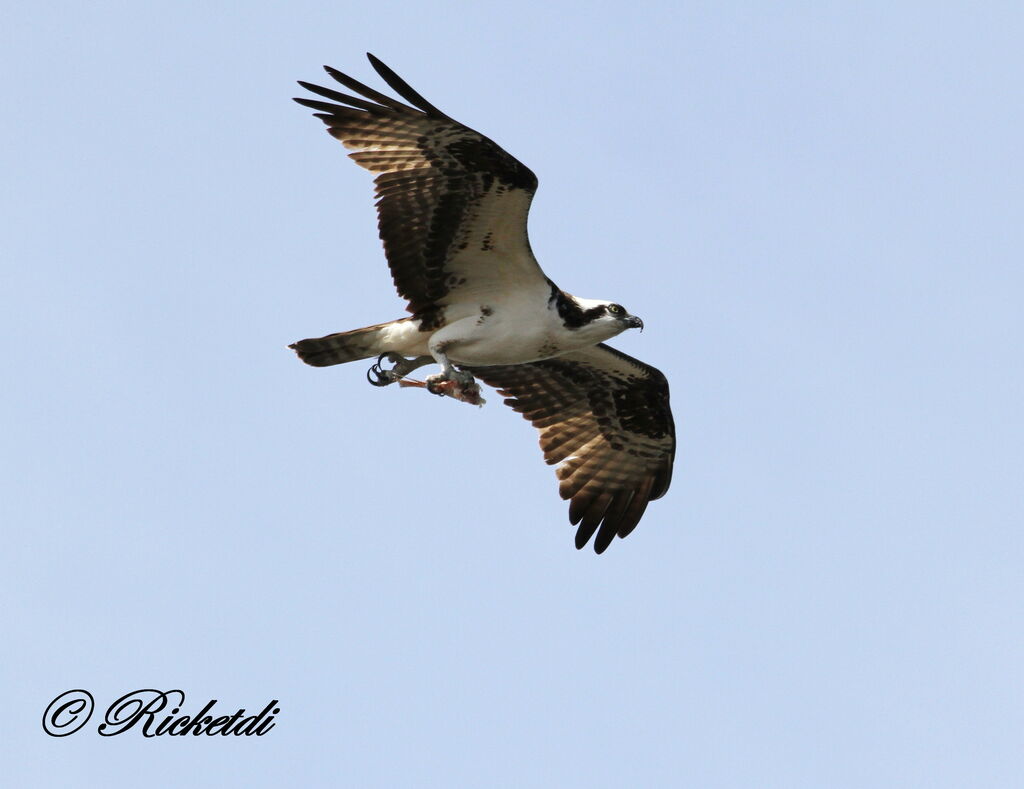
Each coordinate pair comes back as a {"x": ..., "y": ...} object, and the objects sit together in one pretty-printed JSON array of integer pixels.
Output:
[
  {"x": 604, "y": 418},
  {"x": 452, "y": 205}
]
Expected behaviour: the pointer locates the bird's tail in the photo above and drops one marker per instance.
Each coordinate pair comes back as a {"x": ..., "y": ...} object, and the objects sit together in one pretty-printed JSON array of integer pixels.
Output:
[{"x": 346, "y": 346}]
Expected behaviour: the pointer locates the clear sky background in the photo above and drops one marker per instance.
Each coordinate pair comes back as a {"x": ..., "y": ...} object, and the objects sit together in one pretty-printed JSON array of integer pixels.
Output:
[{"x": 815, "y": 207}]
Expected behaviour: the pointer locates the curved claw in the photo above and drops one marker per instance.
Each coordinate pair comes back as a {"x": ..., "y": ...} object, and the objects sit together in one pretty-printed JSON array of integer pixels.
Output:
[
  {"x": 375, "y": 375},
  {"x": 378, "y": 376}
]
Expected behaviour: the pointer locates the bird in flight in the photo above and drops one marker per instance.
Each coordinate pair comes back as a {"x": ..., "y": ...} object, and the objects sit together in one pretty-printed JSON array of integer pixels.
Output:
[{"x": 452, "y": 210}]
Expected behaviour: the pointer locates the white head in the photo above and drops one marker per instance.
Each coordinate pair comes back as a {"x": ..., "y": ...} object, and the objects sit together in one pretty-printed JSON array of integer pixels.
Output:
[{"x": 596, "y": 320}]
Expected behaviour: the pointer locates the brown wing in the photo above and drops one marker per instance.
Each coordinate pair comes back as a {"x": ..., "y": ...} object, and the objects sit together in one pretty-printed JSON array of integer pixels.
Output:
[
  {"x": 604, "y": 417},
  {"x": 452, "y": 205}
]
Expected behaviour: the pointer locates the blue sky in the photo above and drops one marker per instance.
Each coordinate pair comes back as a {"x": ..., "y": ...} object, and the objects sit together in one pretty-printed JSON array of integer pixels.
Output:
[{"x": 816, "y": 209}]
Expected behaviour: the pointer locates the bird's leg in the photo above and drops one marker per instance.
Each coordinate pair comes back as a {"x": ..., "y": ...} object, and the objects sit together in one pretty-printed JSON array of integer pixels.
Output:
[
  {"x": 448, "y": 373},
  {"x": 378, "y": 376}
]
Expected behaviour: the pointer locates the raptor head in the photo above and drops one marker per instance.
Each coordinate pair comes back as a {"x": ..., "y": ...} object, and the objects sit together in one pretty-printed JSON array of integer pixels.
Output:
[
  {"x": 599, "y": 320},
  {"x": 619, "y": 313}
]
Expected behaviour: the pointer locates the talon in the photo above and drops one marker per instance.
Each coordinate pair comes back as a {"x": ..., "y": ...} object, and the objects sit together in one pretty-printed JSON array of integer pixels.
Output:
[{"x": 378, "y": 376}]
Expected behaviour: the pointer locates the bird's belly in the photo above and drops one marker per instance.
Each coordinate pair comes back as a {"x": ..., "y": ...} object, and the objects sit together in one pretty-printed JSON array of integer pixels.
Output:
[
  {"x": 484, "y": 354},
  {"x": 492, "y": 340}
]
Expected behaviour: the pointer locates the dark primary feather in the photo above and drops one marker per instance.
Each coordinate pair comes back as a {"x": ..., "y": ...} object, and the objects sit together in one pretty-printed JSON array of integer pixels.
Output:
[
  {"x": 403, "y": 88},
  {"x": 605, "y": 418},
  {"x": 440, "y": 186}
]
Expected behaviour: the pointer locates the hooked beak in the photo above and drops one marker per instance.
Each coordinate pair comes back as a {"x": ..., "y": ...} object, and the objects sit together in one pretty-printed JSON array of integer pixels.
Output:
[{"x": 634, "y": 322}]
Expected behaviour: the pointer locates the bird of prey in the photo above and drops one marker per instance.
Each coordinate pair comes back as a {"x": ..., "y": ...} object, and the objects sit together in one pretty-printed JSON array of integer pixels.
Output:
[{"x": 452, "y": 209}]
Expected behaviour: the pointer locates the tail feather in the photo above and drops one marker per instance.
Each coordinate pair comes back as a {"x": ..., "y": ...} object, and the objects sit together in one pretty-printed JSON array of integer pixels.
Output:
[{"x": 346, "y": 346}]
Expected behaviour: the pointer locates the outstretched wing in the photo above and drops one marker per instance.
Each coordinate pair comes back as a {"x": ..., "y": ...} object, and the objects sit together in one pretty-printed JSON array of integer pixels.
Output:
[
  {"x": 604, "y": 417},
  {"x": 451, "y": 204}
]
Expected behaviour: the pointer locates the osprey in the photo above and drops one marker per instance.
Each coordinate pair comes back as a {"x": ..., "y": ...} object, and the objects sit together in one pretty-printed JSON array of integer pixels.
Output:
[{"x": 452, "y": 209}]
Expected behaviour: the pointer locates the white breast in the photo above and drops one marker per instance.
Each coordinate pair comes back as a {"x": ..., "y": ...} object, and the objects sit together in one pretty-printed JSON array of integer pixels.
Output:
[{"x": 514, "y": 330}]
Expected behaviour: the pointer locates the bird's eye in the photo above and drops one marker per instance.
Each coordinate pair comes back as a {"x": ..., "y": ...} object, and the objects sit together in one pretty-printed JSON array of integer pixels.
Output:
[{"x": 615, "y": 309}]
